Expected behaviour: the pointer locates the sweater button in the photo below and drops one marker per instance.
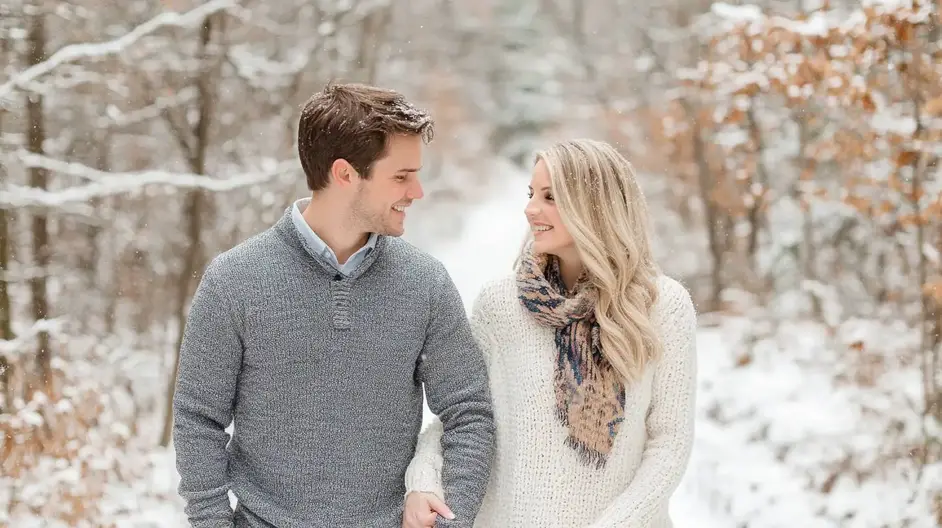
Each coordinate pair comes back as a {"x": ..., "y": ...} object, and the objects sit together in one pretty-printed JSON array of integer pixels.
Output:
[{"x": 338, "y": 277}]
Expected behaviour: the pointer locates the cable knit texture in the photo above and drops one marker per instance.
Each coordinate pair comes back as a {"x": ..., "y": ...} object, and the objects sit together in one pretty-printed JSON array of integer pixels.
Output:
[
  {"x": 323, "y": 375},
  {"x": 536, "y": 480}
]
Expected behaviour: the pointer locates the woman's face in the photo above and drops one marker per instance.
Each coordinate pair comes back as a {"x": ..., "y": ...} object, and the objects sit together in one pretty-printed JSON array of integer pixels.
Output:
[{"x": 549, "y": 234}]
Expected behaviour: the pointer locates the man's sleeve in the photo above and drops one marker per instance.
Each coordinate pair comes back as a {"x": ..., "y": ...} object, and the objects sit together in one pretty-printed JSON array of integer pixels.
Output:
[
  {"x": 453, "y": 370},
  {"x": 210, "y": 361}
]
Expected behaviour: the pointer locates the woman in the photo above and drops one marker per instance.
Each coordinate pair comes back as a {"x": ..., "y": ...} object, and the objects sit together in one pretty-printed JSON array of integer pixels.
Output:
[{"x": 592, "y": 362}]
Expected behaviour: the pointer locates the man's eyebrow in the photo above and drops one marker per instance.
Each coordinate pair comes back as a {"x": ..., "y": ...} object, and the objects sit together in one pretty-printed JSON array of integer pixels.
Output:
[{"x": 409, "y": 170}]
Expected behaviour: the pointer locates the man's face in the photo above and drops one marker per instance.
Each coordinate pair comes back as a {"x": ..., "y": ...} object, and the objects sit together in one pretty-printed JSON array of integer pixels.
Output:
[{"x": 379, "y": 203}]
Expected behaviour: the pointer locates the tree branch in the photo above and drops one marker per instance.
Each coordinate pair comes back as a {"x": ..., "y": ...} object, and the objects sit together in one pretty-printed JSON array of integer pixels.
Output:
[
  {"x": 76, "y": 52},
  {"x": 112, "y": 183}
]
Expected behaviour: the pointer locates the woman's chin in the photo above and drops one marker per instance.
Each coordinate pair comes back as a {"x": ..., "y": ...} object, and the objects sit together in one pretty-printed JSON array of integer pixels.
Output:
[
  {"x": 543, "y": 246},
  {"x": 553, "y": 247}
]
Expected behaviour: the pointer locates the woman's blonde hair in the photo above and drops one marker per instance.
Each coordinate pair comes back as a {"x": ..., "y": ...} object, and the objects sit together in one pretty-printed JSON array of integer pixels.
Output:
[{"x": 602, "y": 207}]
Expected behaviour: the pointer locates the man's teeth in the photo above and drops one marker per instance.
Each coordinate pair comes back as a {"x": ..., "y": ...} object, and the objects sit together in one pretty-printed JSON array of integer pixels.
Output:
[
  {"x": 542, "y": 228},
  {"x": 400, "y": 208}
]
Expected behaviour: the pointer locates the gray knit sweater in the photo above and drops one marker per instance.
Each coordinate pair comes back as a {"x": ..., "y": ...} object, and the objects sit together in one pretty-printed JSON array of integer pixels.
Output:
[{"x": 323, "y": 377}]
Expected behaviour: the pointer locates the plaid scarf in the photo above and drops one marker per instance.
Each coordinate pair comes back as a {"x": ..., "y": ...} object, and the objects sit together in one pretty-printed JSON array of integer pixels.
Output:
[{"x": 590, "y": 396}]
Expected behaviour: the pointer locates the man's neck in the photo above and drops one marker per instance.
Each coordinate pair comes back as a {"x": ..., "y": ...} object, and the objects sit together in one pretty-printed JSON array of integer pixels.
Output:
[{"x": 327, "y": 223}]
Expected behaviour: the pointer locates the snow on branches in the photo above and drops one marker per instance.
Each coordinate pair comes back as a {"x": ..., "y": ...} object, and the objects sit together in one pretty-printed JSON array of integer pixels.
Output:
[
  {"x": 97, "y": 50},
  {"x": 111, "y": 183}
]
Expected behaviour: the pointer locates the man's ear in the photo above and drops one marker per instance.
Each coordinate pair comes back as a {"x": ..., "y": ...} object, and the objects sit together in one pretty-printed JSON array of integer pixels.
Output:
[{"x": 342, "y": 173}]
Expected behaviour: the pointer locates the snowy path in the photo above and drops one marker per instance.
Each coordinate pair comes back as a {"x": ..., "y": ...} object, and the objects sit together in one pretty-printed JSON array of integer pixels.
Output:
[{"x": 491, "y": 237}]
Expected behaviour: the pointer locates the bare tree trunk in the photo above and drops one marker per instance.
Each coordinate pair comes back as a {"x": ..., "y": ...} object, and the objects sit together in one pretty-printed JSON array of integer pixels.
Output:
[
  {"x": 113, "y": 288},
  {"x": 926, "y": 345},
  {"x": 718, "y": 224},
  {"x": 807, "y": 250},
  {"x": 198, "y": 139},
  {"x": 6, "y": 307},
  {"x": 718, "y": 245},
  {"x": 92, "y": 231},
  {"x": 934, "y": 401},
  {"x": 88, "y": 261},
  {"x": 761, "y": 176},
  {"x": 368, "y": 52},
  {"x": 39, "y": 179},
  {"x": 928, "y": 324},
  {"x": 934, "y": 362},
  {"x": 6, "y": 256},
  {"x": 712, "y": 216}
]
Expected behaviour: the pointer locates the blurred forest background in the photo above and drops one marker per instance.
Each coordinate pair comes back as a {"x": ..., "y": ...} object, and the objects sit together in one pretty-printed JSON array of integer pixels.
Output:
[{"x": 789, "y": 149}]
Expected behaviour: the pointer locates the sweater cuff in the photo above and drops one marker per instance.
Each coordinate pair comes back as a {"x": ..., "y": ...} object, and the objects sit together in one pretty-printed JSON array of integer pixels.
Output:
[{"x": 425, "y": 475}]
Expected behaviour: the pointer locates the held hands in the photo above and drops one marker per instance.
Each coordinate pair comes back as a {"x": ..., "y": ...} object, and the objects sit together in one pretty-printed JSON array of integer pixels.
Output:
[{"x": 422, "y": 509}]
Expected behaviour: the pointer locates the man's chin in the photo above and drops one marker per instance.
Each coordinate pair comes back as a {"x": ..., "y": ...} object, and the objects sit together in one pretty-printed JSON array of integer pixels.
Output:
[{"x": 390, "y": 231}]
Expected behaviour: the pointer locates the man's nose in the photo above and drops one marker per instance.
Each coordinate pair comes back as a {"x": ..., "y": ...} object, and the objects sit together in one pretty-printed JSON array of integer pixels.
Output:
[{"x": 416, "y": 193}]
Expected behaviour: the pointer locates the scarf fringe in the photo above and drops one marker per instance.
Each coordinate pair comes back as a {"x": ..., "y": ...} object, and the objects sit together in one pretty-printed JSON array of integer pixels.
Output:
[{"x": 589, "y": 456}]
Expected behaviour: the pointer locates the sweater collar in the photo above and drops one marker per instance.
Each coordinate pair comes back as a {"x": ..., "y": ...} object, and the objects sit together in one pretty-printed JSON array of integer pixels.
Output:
[{"x": 288, "y": 232}]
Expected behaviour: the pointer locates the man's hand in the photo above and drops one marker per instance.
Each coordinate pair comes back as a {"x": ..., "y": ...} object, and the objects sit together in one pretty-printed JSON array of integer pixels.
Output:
[{"x": 422, "y": 509}]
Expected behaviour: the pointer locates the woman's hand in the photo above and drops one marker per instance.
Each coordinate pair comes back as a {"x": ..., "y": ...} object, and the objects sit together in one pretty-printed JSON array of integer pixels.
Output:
[{"x": 422, "y": 509}]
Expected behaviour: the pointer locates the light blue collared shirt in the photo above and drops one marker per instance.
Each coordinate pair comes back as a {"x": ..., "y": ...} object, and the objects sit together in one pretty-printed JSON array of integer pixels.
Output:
[{"x": 318, "y": 247}]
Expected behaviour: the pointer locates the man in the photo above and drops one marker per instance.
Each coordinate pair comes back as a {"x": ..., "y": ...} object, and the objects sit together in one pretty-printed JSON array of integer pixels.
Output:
[{"x": 316, "y": 337}]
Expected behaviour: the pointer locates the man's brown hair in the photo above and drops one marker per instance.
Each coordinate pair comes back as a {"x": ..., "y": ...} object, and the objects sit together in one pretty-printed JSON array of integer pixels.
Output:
[{"x": 353, "y": 122}]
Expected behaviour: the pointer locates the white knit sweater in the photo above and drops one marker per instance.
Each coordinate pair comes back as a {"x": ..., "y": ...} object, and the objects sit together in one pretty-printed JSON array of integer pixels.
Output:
[{"x": 536, "y": 480}]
